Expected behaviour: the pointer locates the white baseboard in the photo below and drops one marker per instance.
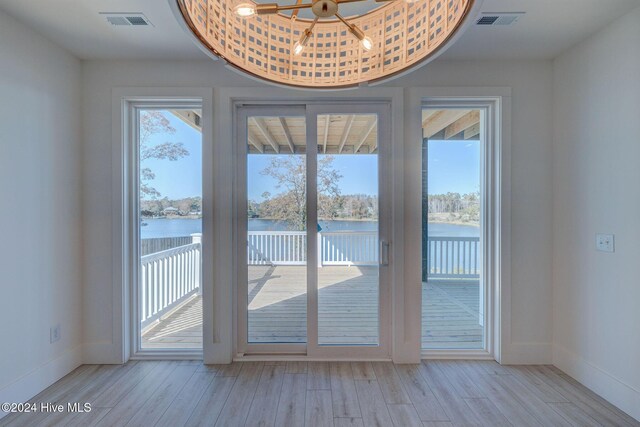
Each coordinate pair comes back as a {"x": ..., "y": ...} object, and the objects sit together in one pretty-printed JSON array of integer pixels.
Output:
[
  {"x": 527, "y": 354},
  {"x": 614, "y": 390},
  {"x": 27, "y": 386}
]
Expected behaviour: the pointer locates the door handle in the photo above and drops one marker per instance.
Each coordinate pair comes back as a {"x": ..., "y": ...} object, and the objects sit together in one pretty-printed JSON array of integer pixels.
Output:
[{"x": 384, "y": 252}]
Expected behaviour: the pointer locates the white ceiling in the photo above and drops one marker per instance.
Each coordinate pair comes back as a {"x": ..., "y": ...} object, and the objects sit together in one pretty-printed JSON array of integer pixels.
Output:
[{"x": 548, "y": 28}]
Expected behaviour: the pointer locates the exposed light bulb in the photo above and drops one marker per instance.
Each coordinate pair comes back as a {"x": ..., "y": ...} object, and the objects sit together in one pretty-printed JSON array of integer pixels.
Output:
[
  {"x": 304, "y": 40},
  {"x": 366, "y": 43},
  {"x": 245, "y": 10}
]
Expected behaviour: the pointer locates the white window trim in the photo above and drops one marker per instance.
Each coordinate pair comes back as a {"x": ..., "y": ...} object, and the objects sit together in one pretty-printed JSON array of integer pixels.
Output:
[
  {"x": 497, "y": 213},
  {"x": 124, "y": 216}
]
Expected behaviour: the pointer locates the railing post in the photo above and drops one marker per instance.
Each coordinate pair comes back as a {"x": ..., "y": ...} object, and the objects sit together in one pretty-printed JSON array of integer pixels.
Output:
[
  {"x": 197, "y": 238},
  {"x": 319, "y": 244}
]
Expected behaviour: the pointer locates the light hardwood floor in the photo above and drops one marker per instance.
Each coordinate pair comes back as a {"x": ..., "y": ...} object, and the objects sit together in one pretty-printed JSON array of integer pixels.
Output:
[
  {"x": 431, "y": 394},
  {"x": 347, "y": 311}
]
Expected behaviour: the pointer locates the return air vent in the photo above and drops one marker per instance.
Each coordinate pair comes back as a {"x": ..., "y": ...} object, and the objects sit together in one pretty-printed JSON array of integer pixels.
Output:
[
  {"x": 127, "y": 19},
  {"x": 504, "y": 19}
]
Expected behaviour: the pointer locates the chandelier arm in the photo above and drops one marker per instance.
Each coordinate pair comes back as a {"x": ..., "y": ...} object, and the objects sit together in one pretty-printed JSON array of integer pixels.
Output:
[
  {"x": 344, "y": 21},
  {"x": 313, "y": 24},
  {"x": 354, "y": 1},
  {"x": 294, "y": 14},
  {"x": 294, "y": 7},
  {"x": 270, "y": 8}
]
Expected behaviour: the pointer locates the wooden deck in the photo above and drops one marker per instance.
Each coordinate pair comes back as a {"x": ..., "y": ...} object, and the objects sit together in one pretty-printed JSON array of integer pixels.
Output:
[
  {"x": 180, "y": 329},
  {"x": 347, "y": 311}
]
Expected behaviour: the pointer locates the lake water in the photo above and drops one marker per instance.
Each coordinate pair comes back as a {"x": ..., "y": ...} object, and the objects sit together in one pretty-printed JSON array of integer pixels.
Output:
[{"x": 185, "y": 227}]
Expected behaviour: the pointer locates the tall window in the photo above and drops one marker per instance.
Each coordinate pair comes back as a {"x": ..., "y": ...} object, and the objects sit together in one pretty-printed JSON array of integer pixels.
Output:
[
  {"x": 170, "y": 228},
  {"x": 453, "y": 291}
]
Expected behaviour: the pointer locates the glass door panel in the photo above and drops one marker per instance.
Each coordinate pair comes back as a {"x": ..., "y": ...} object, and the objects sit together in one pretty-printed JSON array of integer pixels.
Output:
[
  {"x": 170, "y": 211},
  {"x": 453, "y": 292},
  {"x": 347, "y": 239},
  {"x": 276, "y": 224}
]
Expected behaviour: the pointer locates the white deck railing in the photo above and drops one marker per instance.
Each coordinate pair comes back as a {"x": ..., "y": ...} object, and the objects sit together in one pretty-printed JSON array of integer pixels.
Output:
[
  {"x": 168, "y": 278},
  {"x": 171, "y": 276},
  {"x": 453, "y": 258},
  {"x": 348, "y": 248},
  {"x": 277, "y": 247},
  {"x": 290, "y": 248},
  {"x": 448, "y": 257}
]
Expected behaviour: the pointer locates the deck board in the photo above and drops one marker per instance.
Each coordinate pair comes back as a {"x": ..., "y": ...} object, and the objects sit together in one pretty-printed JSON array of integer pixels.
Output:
[{"x": 347, "y": 311}]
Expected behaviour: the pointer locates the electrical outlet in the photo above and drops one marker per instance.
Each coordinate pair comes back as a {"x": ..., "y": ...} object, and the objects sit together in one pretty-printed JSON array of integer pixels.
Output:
[
  {"x": 605, "y": 242},
  {"x": 54, "y": 333}
]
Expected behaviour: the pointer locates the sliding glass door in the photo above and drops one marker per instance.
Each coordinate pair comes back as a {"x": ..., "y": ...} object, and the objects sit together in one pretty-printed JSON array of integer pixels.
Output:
[{"x": 311, "y": 234}]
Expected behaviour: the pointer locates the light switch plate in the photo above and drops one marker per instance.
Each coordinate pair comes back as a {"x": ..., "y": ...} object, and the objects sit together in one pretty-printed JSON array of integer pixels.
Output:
[
  {"x": 54, "y": 333},
  {"x": 605, "y": 242}
]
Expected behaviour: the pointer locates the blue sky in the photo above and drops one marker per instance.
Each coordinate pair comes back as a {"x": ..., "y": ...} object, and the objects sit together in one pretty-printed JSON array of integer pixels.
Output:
[{"x": 454, "y": 166}]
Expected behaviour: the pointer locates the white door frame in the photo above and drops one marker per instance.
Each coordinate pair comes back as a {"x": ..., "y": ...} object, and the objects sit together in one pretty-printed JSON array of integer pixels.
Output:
[
  {"x": 126, "y": 275},
  {"x": 312, "y": 110},
  {"x": 496, "y": 160}
]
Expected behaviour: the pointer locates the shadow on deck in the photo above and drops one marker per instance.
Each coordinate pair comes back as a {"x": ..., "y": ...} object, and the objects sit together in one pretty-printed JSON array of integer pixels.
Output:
[{"x": 347, "y": 311}]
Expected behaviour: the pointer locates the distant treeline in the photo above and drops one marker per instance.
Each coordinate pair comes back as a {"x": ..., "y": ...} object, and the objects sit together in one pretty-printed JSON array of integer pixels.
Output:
[
  {"x": 352, "y": 206},
  {"x": 164, "y": 207},
  {"x": 460, "y": 207}
]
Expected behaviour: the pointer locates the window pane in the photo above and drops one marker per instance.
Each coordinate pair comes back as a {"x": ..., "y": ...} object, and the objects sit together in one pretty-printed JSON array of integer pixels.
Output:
[
  {"x": 277, "y": 230},
  {"x": 453, "y": 291},
  {"x": 348, "y": 279},
  {"x": 170, "y": 156}
]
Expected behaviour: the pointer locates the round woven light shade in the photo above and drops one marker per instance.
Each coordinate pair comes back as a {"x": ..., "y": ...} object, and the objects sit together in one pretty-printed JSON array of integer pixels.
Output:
[{"x": 404, "y": 35}]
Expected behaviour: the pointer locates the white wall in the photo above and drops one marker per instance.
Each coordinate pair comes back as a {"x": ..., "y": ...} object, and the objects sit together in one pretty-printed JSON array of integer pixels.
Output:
[
  {"x": 40, "y": 218},
  {"x": 531, "y": 202},
  {"x": 597, "y": 190}
]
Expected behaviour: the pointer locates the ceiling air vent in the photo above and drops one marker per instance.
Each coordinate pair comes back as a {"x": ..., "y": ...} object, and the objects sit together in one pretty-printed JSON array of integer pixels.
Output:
[
  {"x": 503, "y": 18},
  {"x": 126, "y": 19}
]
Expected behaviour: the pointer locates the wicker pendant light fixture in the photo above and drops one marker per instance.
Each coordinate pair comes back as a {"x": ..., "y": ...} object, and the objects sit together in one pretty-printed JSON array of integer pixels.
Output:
[{"x": 271, "y": 42}]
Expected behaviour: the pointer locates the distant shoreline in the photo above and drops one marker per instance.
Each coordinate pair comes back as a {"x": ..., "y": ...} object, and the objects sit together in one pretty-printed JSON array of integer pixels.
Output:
[
  {"x": 436, "y": 221},
  {"x": 468, "y": 224}
]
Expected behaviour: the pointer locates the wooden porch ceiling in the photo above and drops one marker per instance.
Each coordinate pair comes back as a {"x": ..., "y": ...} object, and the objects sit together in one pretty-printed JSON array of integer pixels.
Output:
[
  {"x": 337, "y": 134},
  {"x": 451, "y": 124},
  {"x": 342, "y": 133}
]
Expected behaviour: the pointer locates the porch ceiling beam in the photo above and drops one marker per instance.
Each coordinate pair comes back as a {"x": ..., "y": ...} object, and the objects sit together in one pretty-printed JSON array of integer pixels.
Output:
[
  {"x": 287, "y": 134},
  {"x": 262, "y": 127},
  {"x": 326, "y": 132},
  {"x": 366, "y": 134},
  {"x": 472, "y": 131},
  {"x": 462, "y": 124},
  {"x": 345, "y": 133},
  {"x": 190, "y": 117},
  {"x": 256, "y": 144},
  {"x": 427, "y": 114},
  {"x": 440, "y": 120}
]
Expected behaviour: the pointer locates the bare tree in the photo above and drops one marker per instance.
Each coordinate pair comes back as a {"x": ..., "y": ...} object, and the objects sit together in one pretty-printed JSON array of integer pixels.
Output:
[
  {"x": 153, "y": 123},
  {"x": 290, "y": 175}
]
